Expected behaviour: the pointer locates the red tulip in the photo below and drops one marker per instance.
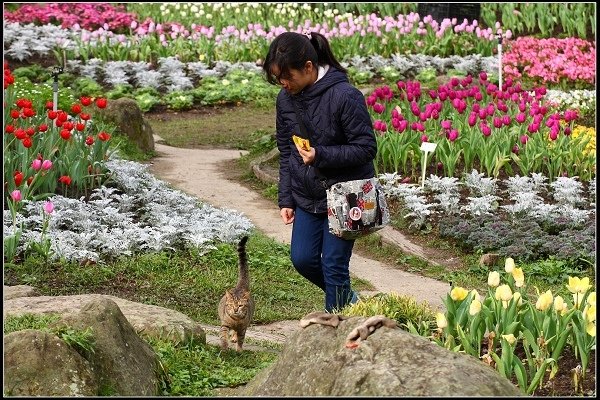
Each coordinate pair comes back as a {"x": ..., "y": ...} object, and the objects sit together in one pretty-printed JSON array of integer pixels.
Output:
[
  {"x": 18, "y": 175},
  {"x": 65, "y": 179},
  {"x": 43, "y": 128},
  {"x": 65, "y": 134},
  {"x": 86, "y": 101},
  {"x": 14, "y": 114},
  {"x": 52, "y": 114},
  {"x": 103, "y": 136},
  {"x": 89, "y": 140},
  {"x": 9, "y": 129},
  {"x": 27, "y": 142},
  {"x": 75, "y": 109},
  {"x": 101, "y": 102},
  {"x": 20, "y": 134},
  {"x": 49, "y": 105}
]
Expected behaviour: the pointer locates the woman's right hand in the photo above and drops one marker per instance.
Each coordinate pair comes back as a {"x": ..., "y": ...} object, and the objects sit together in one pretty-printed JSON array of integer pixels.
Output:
[{"x": 287, "y": 215}]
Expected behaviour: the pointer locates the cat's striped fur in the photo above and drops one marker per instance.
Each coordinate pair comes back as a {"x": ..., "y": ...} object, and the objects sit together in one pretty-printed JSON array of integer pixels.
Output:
[{"x": 237, "y": 305}]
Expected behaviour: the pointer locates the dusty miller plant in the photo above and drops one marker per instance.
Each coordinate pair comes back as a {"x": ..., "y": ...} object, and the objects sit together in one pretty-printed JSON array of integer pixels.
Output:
[
  {"x": 173, "y": 74},
  {"x": 139, "y": 213},
  {"x": 479, "y": 185},
  {"x": 446, "y": 192}
]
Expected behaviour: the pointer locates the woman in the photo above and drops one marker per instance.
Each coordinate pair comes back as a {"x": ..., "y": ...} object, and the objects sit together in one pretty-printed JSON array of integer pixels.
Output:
[{"x": 316, "y": 90}]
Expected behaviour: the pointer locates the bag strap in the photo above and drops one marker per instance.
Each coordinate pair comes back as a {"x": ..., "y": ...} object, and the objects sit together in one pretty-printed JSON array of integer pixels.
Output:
[{"x": 306, "y": 134}]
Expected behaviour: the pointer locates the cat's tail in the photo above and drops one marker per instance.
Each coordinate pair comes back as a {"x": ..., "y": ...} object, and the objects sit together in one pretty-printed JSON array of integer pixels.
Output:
[{"x": 244, "y": 280}]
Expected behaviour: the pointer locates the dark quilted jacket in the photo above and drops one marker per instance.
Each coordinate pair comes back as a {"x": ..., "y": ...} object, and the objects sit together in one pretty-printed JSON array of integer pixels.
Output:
[{"x": 341, "y": 131}]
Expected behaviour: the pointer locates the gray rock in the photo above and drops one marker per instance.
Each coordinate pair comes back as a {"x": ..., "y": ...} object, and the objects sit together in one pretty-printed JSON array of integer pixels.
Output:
[
  {"x": 390, "y": 362},
  {"x": 128, "y": 117},
  {"x": 123, "y": 363},
  {"x": 37, "y": 363},
  {"x": 154, "y": 321},
  {"x": 12, "y": 292}
]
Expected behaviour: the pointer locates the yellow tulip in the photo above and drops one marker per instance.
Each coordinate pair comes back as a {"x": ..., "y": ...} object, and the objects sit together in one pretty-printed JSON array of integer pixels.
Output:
[
  {"x": 589, "y": 313},
  {"x": 544, "y": 301},
  {"x": 441, "y": 321},
  {"x": 517, "y": 297},
  {"x": 559, "y": 305},
  {"x": 511, "y": 339},
  {"x": 475, "y": 307},
  {"x": 458, "y": 293},
  {"x": 590, "y": 328},
  {"x": 591, "y": 299},
  {"x": 577, "y": 285},
  {"x": 509, "y": 265},
  {"x": 519, "y": 277},
  {"x": 494, "y": 279},
  {"x": 504, "y": 293}
]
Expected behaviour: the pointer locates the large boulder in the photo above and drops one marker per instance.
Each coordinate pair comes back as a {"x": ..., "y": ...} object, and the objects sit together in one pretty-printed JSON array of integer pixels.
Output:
[
  {"x": 390, "y": 362},
  {"x": 147, "y": 319},
  {"x": 127, "y": 116},
  {"x": 123, "y": 363},
  {"x": 40, "y": 364}
]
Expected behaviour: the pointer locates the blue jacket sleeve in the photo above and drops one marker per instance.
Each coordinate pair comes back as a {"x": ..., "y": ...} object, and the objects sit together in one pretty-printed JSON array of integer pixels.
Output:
[{"x": 283, "y": 137}]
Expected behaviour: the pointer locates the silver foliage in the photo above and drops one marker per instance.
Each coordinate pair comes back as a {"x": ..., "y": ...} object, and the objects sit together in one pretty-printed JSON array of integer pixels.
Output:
[{"x": 141, "y": 214}]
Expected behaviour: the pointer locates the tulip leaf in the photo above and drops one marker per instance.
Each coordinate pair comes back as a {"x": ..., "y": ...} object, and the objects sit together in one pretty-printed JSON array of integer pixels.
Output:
[
  {"x": 520, "y": 373},
  {"x": 538, "y": 376},
  {"x": 499, "y": 364}
]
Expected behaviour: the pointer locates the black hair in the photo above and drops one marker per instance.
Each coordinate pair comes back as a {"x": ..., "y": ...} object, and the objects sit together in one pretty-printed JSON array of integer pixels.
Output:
[{"x": 291, "y": 50}]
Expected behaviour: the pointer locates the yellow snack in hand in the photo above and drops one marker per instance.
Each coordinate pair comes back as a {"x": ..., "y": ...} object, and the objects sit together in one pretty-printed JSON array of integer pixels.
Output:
[{"x": 303, "y": 143}]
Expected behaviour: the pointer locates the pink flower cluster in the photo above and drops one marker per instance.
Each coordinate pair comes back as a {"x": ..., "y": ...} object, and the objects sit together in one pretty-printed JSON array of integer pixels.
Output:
[
  {"x": 551, "y": 60},
  {"x": 89, "y": 16},
  {"x": 487, "y": 109}
]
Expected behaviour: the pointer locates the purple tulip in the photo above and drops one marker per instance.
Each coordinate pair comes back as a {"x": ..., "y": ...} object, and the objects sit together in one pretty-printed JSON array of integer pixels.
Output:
[
  {"x": 446, "y": 124},
  {"x": 486, "y": 130},
  {"x": 472, "y": 120},
  {"x": 515, "y": 149},
  {"x": 524, "y": 139},
  {"x": 521, "y": 117},
  {"x": 452, "y": 135}
]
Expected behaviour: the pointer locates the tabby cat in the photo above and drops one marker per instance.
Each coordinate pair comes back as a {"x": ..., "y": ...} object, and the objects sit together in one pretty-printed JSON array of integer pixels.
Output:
[{"x": 237, "y": 305}]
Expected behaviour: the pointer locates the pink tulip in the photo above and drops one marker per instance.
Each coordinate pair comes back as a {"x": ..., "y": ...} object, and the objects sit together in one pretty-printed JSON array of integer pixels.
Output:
[
  {"x": 515, "y": 149},
  {"x": 453, "y": 135},
  {"x": 48, "y": 207},
  {"x": 36, "y": 164},
  {"x": 378, "y": 108},
  {"x": 16, "y": 195},
  {"x": 521, "y": 117},
  {"x": 472, "y": 120},
  {"x": 424, "y": 138},
  {"x": 46, "y": 165},
  {"x": 446, "y": 124},
  {"x": 524, "y": 139},
  {"x": 486, "y": 130}
]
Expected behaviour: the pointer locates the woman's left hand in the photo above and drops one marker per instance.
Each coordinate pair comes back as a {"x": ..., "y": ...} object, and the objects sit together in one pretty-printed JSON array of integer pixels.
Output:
[{"x": 308, "y": 156}]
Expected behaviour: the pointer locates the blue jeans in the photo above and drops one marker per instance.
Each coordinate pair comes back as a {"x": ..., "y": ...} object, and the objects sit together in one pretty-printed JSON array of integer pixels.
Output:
[{"x": 322, "y": 258}]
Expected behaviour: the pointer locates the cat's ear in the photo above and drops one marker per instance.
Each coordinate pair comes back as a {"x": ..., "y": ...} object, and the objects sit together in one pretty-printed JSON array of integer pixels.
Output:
[{"x": 228, "y": 294}]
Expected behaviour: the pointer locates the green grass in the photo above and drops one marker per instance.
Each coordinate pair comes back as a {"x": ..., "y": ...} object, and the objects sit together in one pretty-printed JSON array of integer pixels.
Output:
[
  {"x": 185, "y": 280},
  {"x": 188, "y": 369},
  {"x": 225, "y": 127}
]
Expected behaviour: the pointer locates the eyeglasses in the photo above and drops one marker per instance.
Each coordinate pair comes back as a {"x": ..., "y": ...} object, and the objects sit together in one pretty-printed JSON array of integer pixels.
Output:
[{"x": 278, "y": 78}]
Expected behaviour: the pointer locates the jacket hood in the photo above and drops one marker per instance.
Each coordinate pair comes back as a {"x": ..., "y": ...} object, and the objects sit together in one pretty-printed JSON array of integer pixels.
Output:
[{"x": 332, "y": 77}]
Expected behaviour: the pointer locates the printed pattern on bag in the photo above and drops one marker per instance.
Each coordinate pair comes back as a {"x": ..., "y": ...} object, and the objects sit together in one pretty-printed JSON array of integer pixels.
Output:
[{"x": 356, "y": 208}]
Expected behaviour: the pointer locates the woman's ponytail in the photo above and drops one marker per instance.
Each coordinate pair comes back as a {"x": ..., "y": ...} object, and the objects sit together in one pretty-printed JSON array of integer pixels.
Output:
[{"x": 324, "y": 53}]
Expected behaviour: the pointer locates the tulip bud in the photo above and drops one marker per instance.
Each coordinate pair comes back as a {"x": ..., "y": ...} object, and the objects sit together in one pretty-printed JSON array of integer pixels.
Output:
[
  {"x": 493, "y": 279},
  {"x": 458, "y": 293},
  {"x": 509, "y": 265},
  {"x": 440, "y": 320},
  {"x": 475, "y": 307},
  {"x": 511, "y": 339}
]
